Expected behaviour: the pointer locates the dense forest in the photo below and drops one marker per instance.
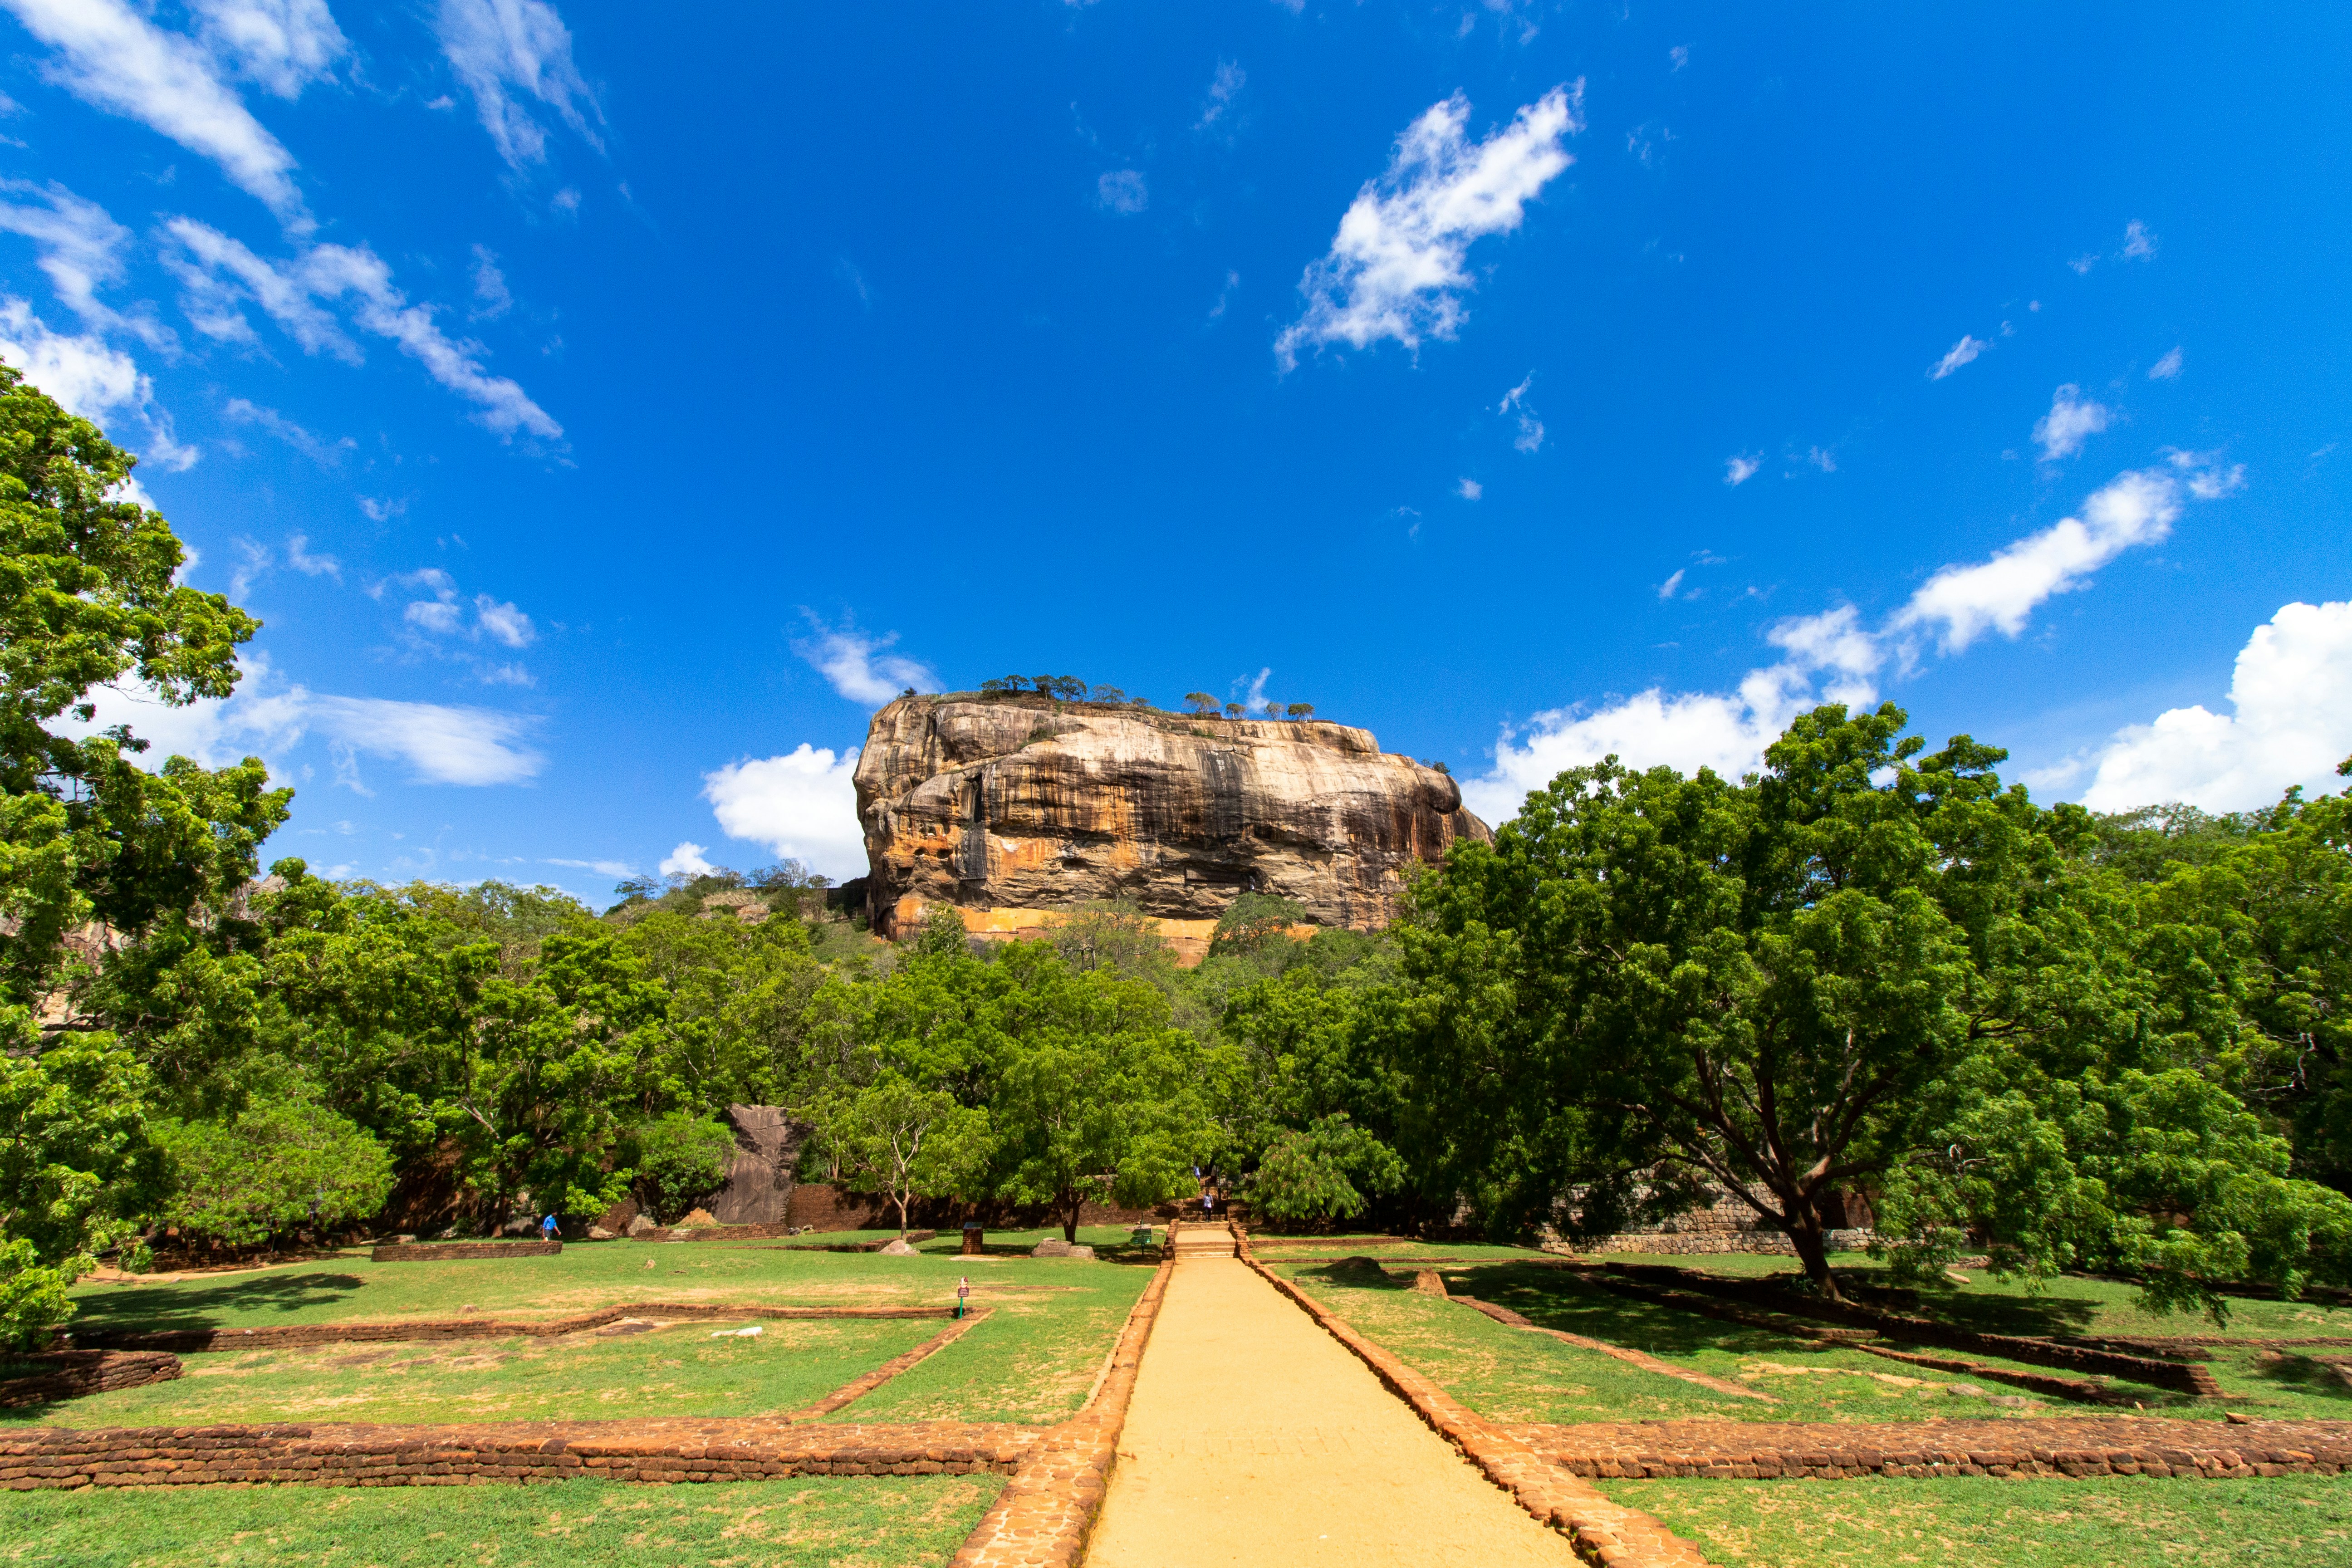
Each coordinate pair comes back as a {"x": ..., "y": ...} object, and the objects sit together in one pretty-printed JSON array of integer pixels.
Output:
[{"x": 2069, "y": 1041}]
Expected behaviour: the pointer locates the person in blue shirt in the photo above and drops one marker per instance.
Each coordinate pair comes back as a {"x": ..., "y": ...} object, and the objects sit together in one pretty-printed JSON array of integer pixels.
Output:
[{"x": 547, "y": 1228}]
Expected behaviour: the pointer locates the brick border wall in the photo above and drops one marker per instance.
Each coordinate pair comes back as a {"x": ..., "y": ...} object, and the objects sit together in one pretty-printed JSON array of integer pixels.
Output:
[
  {"x": 1604, "y": 1533},
  {"x": 445, "y": 1251},
  {"x": 392, "y": 1455},
  {"x": 76, "y": 1372},
  {"x": 2077, "y": 1448},
  {"x": 198, "y": 1340},
  {"x": 866, "y": 1383},
  {"x": 1048, "y": 1509}
]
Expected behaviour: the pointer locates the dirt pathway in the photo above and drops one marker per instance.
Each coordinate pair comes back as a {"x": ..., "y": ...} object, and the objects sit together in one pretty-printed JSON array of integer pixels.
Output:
[{"x": 1253, "y": 1437}]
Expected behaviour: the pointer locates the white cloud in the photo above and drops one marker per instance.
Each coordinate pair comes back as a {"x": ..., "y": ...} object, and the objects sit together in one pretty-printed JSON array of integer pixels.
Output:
[
  {"x": 382, "y": 509},
  {"x": 284, "y": 45},
  {"x": 441, "y": 744},
  {"x": 1822, "y": 458},
  {"x": 685, "y": 860},
  {"x": 326, "y": 454},
  {"x": 2071, "y": 420},
  {"x": 803, "y": 805},
  {"x": 2291, "y": 723},
  {"x": 440, "y": 616},
  {"x": 1468, "y": 489},
  {"x": 2138, "y": 244},
  {"x": 1679, "y": 55},
  {"x": 80, "y": 252},
  {"x": 860, "y": 667},
  {"x": 221, "y": 272},
  {"x": 299, "y": 556},
  {"x": 1740, "y": 469},
  {"x": 113, "y": 58},
  {"x": 1964, "y": 602},
  {"x": 88, "y": 376},
  {"x": 1667, "y": 589},
  {"x": 1531, "y": 438},
  {"x": 1395, "y": 269},
  {"x": 504, "y": 622},
  {"x": 1831, "y": 656},
  {"x": 1223, "y": 89},
  {"x": 1961, "y": 354},
  {"x": 1123, "y": 191},
  {"x": 506, "y": 51},
  {"x": 2167, "y": 368}
]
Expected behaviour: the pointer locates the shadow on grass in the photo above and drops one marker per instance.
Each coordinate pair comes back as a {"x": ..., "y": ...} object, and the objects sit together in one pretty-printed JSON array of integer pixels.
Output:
[
  {"x": 1356, "y": 1273},
  {"x": 2307, "y": 1375},
  {"x": 206, "y": 1304}
]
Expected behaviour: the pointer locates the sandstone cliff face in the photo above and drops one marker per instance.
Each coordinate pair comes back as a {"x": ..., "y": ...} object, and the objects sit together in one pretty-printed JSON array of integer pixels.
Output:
[{"x": 1009, "y": 808}]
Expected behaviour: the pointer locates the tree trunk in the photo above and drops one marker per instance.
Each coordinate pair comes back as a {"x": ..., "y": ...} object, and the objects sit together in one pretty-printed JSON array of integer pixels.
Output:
[
  {"x": 902, "y": 1215},
  {"x": 1804, "y": 1228},
  {"x": 1070, "y": 1225}
]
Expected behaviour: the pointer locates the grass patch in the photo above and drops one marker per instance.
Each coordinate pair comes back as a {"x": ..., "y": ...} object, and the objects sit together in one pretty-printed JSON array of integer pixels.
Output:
[
  {"x": 854, "y": 1521},
  {"x": 669, "y": 1371},
  {"x": 1032, "y": 1362},
  {"x": 2069, "y": 1304},
  {"x": 1054, "y": 1320},
  {"x": 2294, "y": 1521},
  {"x": 1510, "y": 1374}
]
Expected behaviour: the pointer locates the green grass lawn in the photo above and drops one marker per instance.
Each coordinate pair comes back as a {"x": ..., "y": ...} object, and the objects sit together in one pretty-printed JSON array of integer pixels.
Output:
[
  {"x": 864, "y": 1522},
  {"x": 672, "y": 1372},
  {"x": 2293, "y": 1521},
  {"x": 1511, "y": 1374},
  {"x": 1054, "y": 1321}
]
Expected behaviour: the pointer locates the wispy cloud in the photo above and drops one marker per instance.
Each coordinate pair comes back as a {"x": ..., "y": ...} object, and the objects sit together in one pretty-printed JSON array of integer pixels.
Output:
[
  {"x": 602, "y": 867},
  {"x": 326, "y": 454},
  {"x": 1672, "y": 585},
  {"x": 1961, "y": 354},
  {"x": 1531, "y": 438},
  {"x": 492, "y": 296},
  {"x": 1834, "y": 656},
  {"x": 1123, "y": 191},
  {"x": 2072, "y": 419},
  {"x": 859, "y": 666},
  {"x": 113, "y": 58},
  {"x": 2167, "y": 368},
  {"x": 1224, "y": 88},
  {"x": 282, "y": 44},
  {"x": 299, "y": 556},
  {"x": 1395, "y": 269},
  {"x": 510, "y": 54},
  {"x": 221, "y": 274},
  {"x": 80, "y": 251},
  {"x": 2139, "y": 244},
  {"x": 1740, "y": 468}
]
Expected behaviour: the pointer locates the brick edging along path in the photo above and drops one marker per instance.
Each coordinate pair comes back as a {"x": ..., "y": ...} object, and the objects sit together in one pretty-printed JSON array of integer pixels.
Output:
[
  {"x": 1602, "y": 1531},
  {"x": 1043, "y": 1519},
  {"x": 392, "y": 1456}
]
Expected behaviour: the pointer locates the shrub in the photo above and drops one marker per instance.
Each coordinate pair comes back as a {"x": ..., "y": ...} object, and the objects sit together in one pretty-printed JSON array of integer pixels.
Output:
[
  {"x": 283, "y": 1163},
  {"x": 681, "y": 1160}
]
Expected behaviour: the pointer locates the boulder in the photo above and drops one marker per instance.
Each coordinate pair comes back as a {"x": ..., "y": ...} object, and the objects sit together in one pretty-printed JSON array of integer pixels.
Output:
[
  {"x": 1052, "y": 1247},
  {"x": 696, "y": 1219},
  {"x": 598, "y": 1233},
  {"x": 1015, "y": 808},
  {"x": 641, "y": 1224},
  {"x": 898, "y": 1249},
  {"x": 758, "y": 1189}
]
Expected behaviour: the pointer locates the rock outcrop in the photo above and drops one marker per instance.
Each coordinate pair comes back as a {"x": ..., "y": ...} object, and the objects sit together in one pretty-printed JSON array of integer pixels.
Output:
[{"x": 1015, "y": 809}]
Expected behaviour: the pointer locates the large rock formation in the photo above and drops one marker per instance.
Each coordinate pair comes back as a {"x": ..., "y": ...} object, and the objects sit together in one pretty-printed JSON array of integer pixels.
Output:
[{"x": 1014, "y": 808}]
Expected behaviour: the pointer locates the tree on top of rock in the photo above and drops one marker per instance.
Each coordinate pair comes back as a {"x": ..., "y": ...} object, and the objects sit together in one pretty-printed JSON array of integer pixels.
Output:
[{"x": 1202, "y": 704}]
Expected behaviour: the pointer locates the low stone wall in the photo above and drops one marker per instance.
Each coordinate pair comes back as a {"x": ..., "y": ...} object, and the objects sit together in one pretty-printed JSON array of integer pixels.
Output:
[
  {"x": 1697, "y": 1243},
  {"x": 456, "y": 1455},
  {"x": 821, "y": 1206},
  {"x": 2105, "y": 1446},
  {"x": 442, "y": 1251},
  {"x": 71, "y": 1374}
]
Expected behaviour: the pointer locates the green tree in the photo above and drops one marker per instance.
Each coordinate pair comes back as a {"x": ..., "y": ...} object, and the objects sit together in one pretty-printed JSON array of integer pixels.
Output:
[
  {"x": 681, "y": 1159},
  {"x": 92, "y": 846},
  {"x": 1300, "y": 710},
  {"x": 1235, "y": 710},
  {"x": 891, "y": 1137},
  {"x": 1202, "y": 704},
  {"x": 1096, "y": 1098},
  {"x": 1323, "y": 1171},
  {"x": 284, "y": 1165}
]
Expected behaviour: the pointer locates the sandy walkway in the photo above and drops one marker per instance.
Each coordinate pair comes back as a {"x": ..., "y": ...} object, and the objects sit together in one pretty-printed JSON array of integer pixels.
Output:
[{"x": 1253, "y": 1437}]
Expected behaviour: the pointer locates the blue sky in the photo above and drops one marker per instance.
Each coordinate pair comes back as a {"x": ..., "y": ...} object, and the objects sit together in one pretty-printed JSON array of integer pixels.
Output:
[{"x": 605, "y": 413}]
